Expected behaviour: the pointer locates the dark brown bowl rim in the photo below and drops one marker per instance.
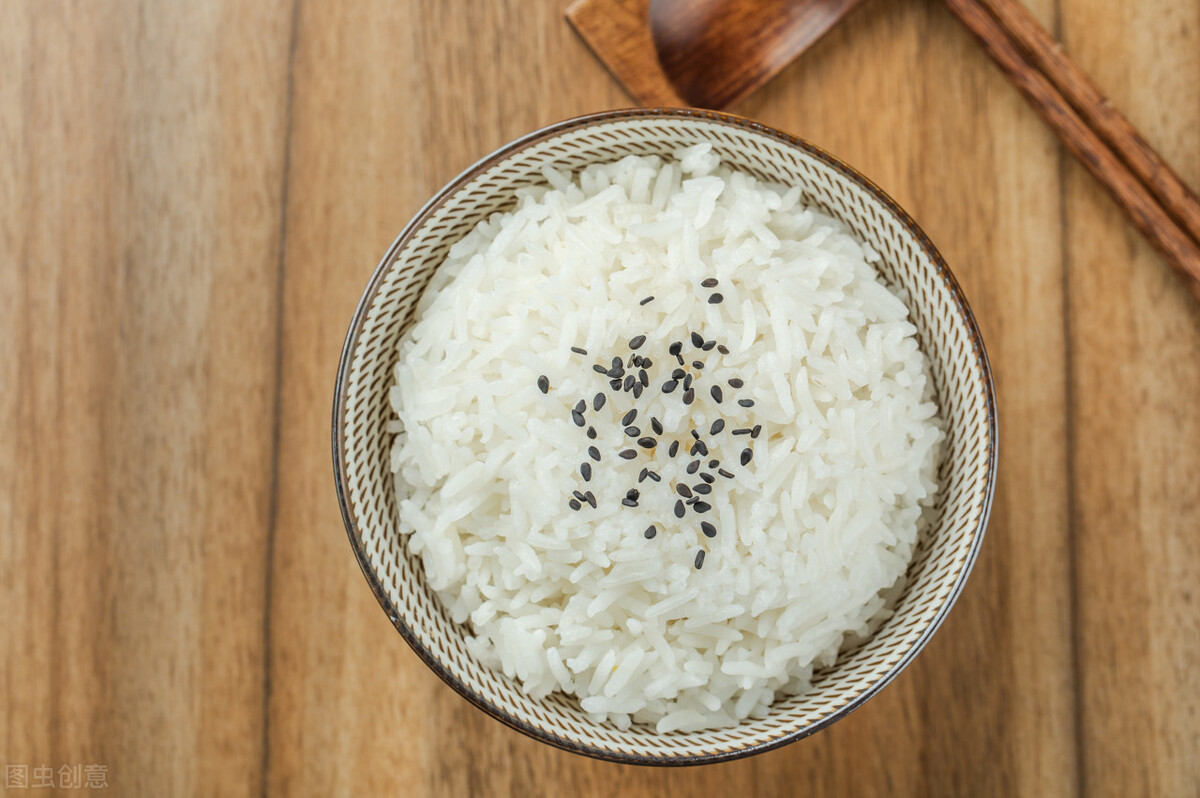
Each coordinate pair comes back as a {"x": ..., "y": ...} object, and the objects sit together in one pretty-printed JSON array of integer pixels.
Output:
[{"x": 339, "y": 465}]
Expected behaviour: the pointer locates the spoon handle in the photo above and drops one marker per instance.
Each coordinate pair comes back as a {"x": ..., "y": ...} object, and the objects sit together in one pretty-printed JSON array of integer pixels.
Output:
[{"x": 1157, "y": 201}]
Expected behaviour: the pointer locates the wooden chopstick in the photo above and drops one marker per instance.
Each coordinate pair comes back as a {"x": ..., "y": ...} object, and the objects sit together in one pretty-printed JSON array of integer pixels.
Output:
[
  {"x": 1157, "y": 201},
  {"x": 1103, "y": 117}
]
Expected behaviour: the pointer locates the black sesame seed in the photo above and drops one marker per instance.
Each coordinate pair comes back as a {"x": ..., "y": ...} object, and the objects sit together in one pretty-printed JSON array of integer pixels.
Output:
[
  {"x": 635, "y": 361},
  {"x": 656, "y": 425},
  {"x": 591, "y": 433},
  {"x": 580, "y": 406},
  {"x": 697, "y": 339},
  {"x": 598, "y": 401},
  {"x": 599, "y": 369},
  {"x": 742, "y": 431},
  {"x": 713, "y": 463},
  {"x": 675, "y": 348},
  {"x": 632, "y": 432},
  {"x": 707, "y": 477},
  {"x": 616, "y": 373},
  {"x": 715, "y": 299},
  {"x": 628, "y": 418},
  {"x": 702, "y": 507},
  {"x": 654, "y": 477},
  {"x": 674, "y": 448},
  {"x": 692, "y": 501},
  {"x": 633, "y": 493},
  {"x": 708, "y": 529},
  {"x": 594, "y": 453},
  {"x": 679, "y": 509},
  {"x": 687, "y": 382},
  {"x": 632, "y": 361},
  {"x": 697, "y": 364},
  {"x": 647, "y": 443},
  {"x": 708, "y": 346},
  {"x": 734, "y": 382},
  {"x": 585, "y": 471},
  {"x": 724, "y": 350},
  {"x": 591, "y": 498},
  {"x": 637, "y": 391},
  {"x": 693, "y": 466},
  {"x": 629, "y": 502},
  {"x": 650, "y": 532},
  {"x": 628, "y": 454},
  {"x": 614, "y": 384},
  {"x": 683, "y": 490},
  {"x": 717, "y": 396},
  {"x": 746, "y": 402},
  {"x": 647, "y": 300},
  {"x": 695, "y": 434},
  {"x": 689, "y": 396},
  {"x": 724, "y": 473},
  {"x": 700, "y": 448},
  {"x": 579, "y": 350},
  {"x": 746, "y": 455},
  {"x": 711, "y": 282},
  {"x": 637, "y": 341},
  {"x": 574, "y": 504},
  {"x": 678, "y": 374},
  {"x": 543, "y": 383},
  {"x": 643, "y": 377},
  {"x": 616, "y": 363},
  {"x": 717, "y": 426},
  {"x": 647, "y": 362},
  {"x": 699, "y": 561},
  {"x": 757, "y": 429},
  {"x": 680, "y": 359},
  {"x": 702, "y": 488},
  {"x": 630, "y": 381},
  {"x": 645, "y": 472},
  {"x": 578, "y": 494},
  {"x": 577, "y": 417},
  {"x": 669, "y": 386}
]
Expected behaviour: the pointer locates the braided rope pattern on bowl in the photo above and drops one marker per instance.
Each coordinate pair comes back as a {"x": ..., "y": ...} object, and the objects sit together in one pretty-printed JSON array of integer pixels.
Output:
[{"x": 946, "y": 332}]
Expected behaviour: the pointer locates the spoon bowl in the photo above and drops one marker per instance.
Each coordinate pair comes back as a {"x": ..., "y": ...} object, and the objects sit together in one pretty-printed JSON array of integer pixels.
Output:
[{"x": 715, "y": 52}]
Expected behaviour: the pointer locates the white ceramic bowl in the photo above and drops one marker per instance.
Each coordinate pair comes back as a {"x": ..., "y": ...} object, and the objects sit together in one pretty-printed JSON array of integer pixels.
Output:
[{"x": 947, "y": 333}]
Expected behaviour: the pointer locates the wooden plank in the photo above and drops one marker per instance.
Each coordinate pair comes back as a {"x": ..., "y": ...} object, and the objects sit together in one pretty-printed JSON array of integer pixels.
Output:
[
  {"x": 139, "y": 232},
  {"x": 987, "y": 710},
  {"x": 1135, "y": 374},
  {"x": 391, "y": 100}
]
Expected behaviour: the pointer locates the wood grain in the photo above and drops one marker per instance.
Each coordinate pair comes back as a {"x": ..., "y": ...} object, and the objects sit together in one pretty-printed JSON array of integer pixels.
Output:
[
  {"x": 999, "y": 673},
  {"x": 618, "y": 35},
  {"x": 716, "y": 53},
  {"x": 1115, "y": 153},
  {"x": 142, "y": 169},
  {"x": 1135, "y": 424},
  {"x": 1101, "y": 115},
  {"x": 191, "y": 200}
]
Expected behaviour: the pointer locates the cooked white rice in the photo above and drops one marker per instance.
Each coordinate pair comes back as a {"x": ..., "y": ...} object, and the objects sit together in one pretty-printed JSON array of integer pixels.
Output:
[{"x": 812, "y": 534}]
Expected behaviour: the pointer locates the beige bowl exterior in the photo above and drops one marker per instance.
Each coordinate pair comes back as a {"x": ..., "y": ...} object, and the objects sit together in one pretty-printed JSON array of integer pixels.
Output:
[{"x": 947, "y": 333}]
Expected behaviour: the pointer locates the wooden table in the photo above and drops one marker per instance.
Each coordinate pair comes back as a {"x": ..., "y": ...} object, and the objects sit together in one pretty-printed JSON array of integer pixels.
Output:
[{"x": 192, "y": 196}]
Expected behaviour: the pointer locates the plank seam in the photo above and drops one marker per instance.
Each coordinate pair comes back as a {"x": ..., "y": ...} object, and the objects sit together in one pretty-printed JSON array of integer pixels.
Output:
[
  {"x": 1072, "y": 472},
  {"x": 277, "y": 401}
]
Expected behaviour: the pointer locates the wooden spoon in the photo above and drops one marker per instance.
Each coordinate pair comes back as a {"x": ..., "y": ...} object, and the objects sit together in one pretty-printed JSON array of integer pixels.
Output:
[{"x": 716, "y": 52}]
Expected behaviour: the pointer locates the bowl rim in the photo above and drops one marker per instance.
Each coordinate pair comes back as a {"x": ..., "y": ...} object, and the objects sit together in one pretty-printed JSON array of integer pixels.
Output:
[{"x": 521, "y": 143}]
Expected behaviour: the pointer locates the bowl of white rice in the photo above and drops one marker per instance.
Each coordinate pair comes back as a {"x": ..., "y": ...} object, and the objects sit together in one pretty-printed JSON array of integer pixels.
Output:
[{"x": 664, "y": 437}]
